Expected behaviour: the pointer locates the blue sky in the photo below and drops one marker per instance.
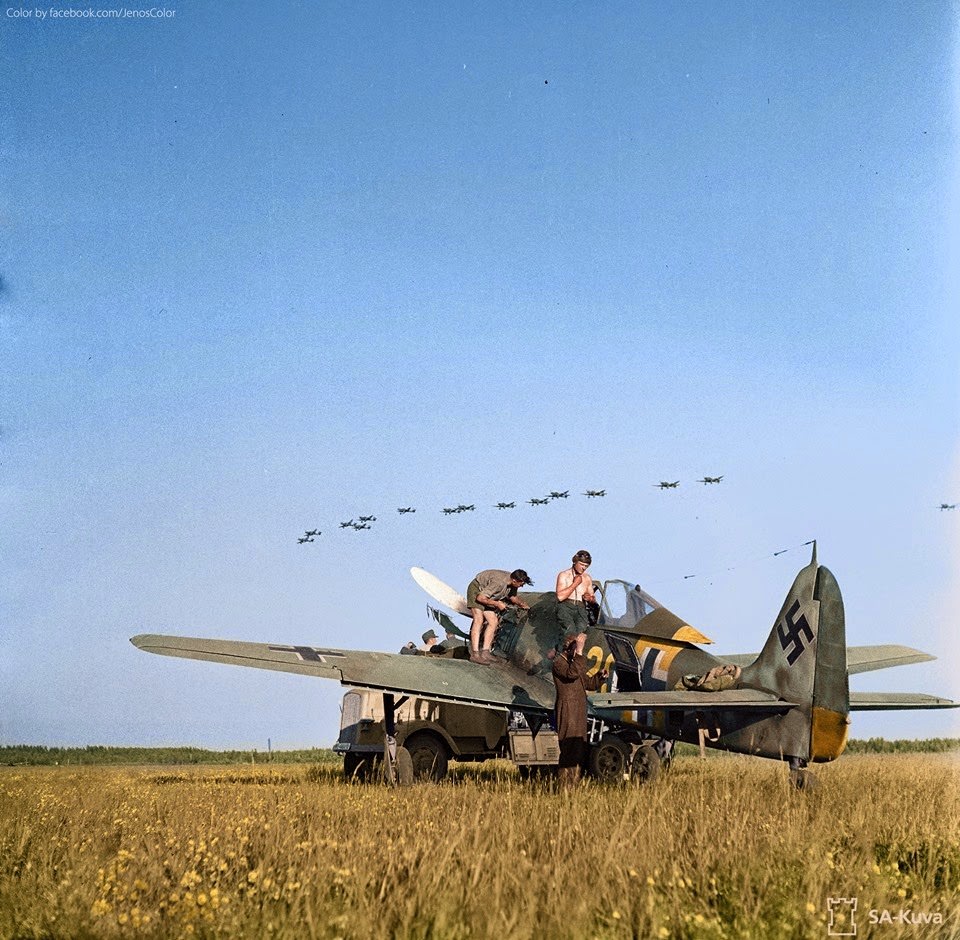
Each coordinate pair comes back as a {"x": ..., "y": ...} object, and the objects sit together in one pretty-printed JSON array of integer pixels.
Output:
[{"x": 271, "y": 267}]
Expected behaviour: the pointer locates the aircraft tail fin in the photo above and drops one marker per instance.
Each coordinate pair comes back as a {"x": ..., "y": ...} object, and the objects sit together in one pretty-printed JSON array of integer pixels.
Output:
[{"x": 805, "y": 660}]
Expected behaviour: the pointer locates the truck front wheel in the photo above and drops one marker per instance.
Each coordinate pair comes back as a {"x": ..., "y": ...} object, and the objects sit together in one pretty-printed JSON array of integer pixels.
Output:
[
  {"x": 359, "y": 766},
  {"x": 429, "y": 756}
]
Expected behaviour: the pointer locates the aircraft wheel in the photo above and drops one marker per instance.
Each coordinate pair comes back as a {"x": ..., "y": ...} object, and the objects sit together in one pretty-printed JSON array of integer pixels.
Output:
[
  {"x": 609, "y": 759},
  {"x": 429, "y": 757},
  {"x": 645, "y": 766},
  {"x": 403, "y": 767}
]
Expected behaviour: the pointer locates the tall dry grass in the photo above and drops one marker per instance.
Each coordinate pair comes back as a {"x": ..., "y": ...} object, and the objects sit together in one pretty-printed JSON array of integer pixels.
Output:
[{"x": 720, "y": 848}]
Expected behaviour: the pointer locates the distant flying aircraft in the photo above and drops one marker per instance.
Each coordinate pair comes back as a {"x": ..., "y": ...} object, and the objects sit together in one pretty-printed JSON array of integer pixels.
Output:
[
  {"x": 360, "y": 525},
  {"x": 312, "y": 532},
  {"x": 538, "y": 502},
  {"x": 506, "y": 506},
  {"x": 595, "y": 493},
  {"x": 790, "y": 702},
  {"x": 556, "y": 495},
  {"x": 347, "y": 525},
  {"x": 664, "y": 485},
  {"x": 463, "y": 507},
  {"x": 707, "y": 479},
  {"x": 305, "y": 539},
  {"x": 406, "y": 509},
  {"x": 368, "y": 518},
  {"x": 447, "y": 511},
  {"x": 948, "y": 506}
]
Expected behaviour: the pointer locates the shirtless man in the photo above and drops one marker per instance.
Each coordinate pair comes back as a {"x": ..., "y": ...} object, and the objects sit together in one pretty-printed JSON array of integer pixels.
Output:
[
  {"x": 574, "y": 586},
  {"x": 488, "y": 595}
]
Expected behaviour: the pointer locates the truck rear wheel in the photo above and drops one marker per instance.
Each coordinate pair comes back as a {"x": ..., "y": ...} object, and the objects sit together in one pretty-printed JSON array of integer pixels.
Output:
[
  {"x": 645, "y": 767},
  {"x": 429, "y": 756}
]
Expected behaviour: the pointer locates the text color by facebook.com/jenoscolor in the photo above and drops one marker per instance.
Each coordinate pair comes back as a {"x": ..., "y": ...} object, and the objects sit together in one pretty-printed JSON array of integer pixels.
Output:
[{"x": 89, "y": 13}]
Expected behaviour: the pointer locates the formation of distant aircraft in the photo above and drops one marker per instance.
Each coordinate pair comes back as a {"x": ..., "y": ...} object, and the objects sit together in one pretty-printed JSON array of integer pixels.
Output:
[{"x": 364, "y": 521}]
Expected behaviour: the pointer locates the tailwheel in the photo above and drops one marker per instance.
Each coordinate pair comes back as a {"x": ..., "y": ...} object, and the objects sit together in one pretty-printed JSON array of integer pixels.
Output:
[
  {"x": 609, "y": 759},
  {"x": 645, "y": 766},
  {"x": 802, "y": 779}
]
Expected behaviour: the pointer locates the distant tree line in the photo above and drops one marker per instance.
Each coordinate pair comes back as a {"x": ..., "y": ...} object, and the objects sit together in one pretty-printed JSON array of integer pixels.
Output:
[
  {"x": 28, "y": 754},
  {"x": 20, "y": 755}
]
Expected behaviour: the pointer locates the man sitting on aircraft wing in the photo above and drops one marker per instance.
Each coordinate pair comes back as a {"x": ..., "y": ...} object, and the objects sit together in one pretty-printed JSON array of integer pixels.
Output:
[
  {"x": 574, "y": 587},
  {"x": 488, "y": 594}
]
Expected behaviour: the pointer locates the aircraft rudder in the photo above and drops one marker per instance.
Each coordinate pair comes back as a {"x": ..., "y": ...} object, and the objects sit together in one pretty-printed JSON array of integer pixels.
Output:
[{"x": 830, "y": 718}]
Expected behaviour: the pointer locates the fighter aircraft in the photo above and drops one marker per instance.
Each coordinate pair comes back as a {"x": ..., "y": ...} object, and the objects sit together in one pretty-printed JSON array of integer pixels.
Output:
[
  {"x": 592, "y": 493},
  {"x": 463, "y": 507},
  {"x": 948, "y": 506},
  {"x": 664, "y": 485},
  {"x": 449, "y": 511},
  {"x": 347, "y": 525},
  {"x": 707, "y": 479},
  {"x": 538, "y": 502},
  {"x": 554, "y": 494},
  {"x": 311, "y": 532},
  {"x": 367, "y": 518},
  {"x": 360, "y": 525},
  {"x": 791, "y": 702},
  {"x": 305, "y": 539},
  {"x": 506, "y": 506},
  {"x": 405, "y": 509}
]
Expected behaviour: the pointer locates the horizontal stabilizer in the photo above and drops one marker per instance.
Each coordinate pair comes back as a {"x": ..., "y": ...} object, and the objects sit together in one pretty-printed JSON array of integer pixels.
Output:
[
  {"x": 439, "y": 678},
  {"x": 729, "y": 699},
  {"x": 868, "y": 658},
  {"x": 896, "y": 701},
  {"x": 859, "y": 658}
]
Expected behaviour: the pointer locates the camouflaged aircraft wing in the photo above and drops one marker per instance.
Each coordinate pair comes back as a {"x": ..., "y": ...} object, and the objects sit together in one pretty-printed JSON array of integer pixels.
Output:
[
  {"x": 895, "y": 701},
  {"x": 688, "y": 700},
  {"x": 860, "y": 658},
  {"x": 500, "y": 686}
]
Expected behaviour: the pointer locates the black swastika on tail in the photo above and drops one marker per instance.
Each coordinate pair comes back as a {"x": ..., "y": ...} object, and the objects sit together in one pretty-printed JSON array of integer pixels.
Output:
[{"x": 792, "y": 633}]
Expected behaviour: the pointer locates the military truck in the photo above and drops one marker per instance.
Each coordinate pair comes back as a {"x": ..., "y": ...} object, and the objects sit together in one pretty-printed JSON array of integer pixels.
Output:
[{"x": 433, "y": 733}]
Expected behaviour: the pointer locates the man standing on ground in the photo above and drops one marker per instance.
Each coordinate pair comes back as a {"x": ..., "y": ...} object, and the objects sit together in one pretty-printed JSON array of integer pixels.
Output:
[
  {"x": 572, "y": 684},
  {"x": 488, "y": 595}
]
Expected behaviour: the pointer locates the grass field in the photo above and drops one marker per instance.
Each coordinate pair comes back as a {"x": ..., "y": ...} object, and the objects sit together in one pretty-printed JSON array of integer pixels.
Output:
[{"x": 717, "y": 848}]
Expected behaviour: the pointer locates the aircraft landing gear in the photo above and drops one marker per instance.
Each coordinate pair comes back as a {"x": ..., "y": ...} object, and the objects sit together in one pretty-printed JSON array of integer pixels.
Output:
[{"x": 397, "y": 762}]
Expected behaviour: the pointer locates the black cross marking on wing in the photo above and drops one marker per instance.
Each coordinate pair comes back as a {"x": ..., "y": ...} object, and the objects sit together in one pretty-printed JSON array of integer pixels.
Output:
[
  {"x": 792, "y": 634},
  {"x": 306, "y": 653}
]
